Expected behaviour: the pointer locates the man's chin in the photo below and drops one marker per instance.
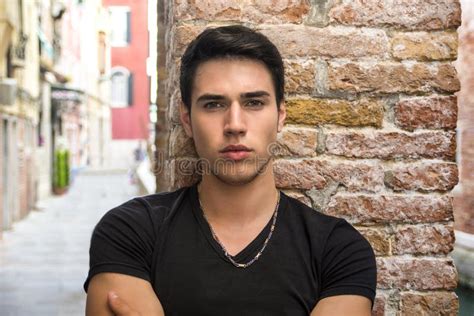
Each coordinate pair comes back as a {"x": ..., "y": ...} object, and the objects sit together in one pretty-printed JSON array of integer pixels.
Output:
[
  {"x": 236, "y": 180},
  {"x": 241, "y": 174}
]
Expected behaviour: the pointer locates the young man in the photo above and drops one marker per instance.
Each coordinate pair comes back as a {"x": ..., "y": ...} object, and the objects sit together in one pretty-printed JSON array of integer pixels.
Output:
[{"x": 232, "y": 244}]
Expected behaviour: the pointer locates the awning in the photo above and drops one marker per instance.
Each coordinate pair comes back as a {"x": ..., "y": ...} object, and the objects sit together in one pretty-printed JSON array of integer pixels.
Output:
[{"x": 62, "y": 93}]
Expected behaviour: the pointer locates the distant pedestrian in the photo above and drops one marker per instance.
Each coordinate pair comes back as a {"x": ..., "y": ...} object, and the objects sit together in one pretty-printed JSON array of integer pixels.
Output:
[{"x": 139, "y": 154}]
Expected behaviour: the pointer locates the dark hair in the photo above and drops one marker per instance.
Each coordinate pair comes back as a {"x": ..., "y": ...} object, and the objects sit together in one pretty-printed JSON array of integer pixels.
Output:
[{"x": 230, "y": 42}]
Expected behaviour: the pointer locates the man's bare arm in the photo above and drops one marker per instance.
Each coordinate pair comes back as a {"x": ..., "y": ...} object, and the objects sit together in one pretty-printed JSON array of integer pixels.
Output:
[
  {"x": 354, "y": 305},
  {"x": 136, "y": 293}
]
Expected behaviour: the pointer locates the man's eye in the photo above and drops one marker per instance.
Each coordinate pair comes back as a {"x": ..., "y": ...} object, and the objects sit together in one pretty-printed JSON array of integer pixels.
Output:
[
  {"x": 255, "y": 103},
  {"x": 212, "y": 105}
]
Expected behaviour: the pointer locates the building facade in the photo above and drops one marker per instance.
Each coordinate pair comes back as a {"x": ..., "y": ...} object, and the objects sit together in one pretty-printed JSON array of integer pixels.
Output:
[
  {"x": 129, "y": 82},
  {"x": 83, "y": 101},
  {"x": 19, "y": 101},
  {"x": 54, "y": 68}
]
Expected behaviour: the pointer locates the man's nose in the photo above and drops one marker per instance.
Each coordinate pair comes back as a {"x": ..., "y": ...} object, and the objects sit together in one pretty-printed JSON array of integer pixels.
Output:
[{"x": 235, "y": 120}]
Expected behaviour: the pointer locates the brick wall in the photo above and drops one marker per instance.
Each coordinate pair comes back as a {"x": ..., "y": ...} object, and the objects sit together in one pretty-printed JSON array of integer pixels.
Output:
[
  {"x": 464, "y": 197},
  {"x": 371, "y": 124}
]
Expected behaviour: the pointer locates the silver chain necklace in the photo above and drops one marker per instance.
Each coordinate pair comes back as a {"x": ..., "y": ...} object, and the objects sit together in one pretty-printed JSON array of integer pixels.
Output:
[{"x": 226, "y": 253}]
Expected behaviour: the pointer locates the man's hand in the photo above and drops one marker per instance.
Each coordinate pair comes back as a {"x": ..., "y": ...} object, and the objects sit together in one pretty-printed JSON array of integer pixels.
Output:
[{"x": 119, "y": 307}]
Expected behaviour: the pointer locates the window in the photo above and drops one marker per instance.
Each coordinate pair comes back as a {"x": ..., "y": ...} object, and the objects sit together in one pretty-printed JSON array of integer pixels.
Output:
[
  {"x": 120, "y": 26},
  {"x": 121, "y": 87}
]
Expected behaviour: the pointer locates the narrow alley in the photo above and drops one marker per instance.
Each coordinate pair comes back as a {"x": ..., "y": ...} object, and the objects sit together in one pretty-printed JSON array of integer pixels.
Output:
[{"x": 44, "y": 258}]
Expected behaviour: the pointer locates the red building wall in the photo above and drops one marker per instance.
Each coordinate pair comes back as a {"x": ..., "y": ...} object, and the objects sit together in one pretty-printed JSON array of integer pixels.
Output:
[
  {"x": 464, "y": 196},
  {"x": 132, "y": 122}
]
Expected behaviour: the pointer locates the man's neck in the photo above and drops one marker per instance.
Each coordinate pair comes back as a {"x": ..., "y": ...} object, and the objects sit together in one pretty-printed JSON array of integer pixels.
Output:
[{"x": 238, "y": 205}]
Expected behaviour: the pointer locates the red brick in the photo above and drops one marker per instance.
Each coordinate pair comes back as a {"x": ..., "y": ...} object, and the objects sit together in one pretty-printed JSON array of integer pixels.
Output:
[
  {"x": 366, "y": 209},
  {"x": 422, "y": 177},
  {"x": 392, "y": 77},
  {"x": 442, "y": 303},
  {"x": 307, "y": 174},
  {"x": 424, "y": 239},
  {"x": 298, "y": 142},
  {"x": 300, "y": 76},
  {"x": 228, "y": 10},
  {"x": 275, "y": 11},
  {"x": 301, "y": 174},
  {"x": 427, "y": 112},
  {"x": 407, "y": 14},
  {"x": 392, "y": 145},
  {"x": 380, "y": 302},
  {"x": 425, "y": 45},
  {"x": 180, "y": 144},
  {"x": 379, "y": 238},
  {"x": 184, "y": 34},
  {"x": 334, "y": 42},
  {"x": 416, "y": 273}
]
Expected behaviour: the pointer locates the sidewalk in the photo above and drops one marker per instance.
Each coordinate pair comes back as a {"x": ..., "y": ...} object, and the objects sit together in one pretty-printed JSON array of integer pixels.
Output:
[{"x": 44, "y": 258}]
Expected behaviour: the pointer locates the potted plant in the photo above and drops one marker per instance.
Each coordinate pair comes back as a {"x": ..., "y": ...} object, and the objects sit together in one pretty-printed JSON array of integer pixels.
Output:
[{"x": 61, "y": 171}]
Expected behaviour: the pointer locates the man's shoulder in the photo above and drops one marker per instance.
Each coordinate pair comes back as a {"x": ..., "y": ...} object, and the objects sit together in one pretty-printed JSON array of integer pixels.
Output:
[
  {"x": 310, "y": 215},
  {"x": 323, "y": 229},
  {"x": 165, "y": 199},
  {"x": 153, "y": 207}
]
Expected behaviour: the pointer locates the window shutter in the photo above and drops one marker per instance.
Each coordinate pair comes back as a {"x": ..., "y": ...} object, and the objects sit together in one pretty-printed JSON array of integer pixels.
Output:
[
  {"x": 129, "y": 28},
  {"x": 130, "y": 89}
]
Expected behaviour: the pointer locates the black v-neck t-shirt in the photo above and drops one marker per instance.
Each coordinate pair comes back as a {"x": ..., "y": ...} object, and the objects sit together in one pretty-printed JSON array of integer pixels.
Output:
[{"x": 165, "y": 239}]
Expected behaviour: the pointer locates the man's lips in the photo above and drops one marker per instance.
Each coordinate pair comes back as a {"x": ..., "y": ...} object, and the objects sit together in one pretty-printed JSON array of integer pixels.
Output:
[
  {"x": 235, "y": 148},
  {"x": 236, "y": 152}
]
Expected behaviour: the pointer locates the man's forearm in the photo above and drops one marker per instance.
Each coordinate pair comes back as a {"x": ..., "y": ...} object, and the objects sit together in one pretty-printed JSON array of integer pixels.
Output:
[
  {"x": 136, "y": 293},
  {"x": 353, "y": 305}
]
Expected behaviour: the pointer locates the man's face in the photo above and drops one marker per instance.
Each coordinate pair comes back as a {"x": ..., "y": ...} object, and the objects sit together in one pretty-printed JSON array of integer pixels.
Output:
[{"x": 233, "y": 104}]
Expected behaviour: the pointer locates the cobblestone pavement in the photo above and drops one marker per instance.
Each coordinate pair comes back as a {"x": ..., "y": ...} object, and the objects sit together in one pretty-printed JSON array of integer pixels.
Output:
[{"x": 44, "y": 258}]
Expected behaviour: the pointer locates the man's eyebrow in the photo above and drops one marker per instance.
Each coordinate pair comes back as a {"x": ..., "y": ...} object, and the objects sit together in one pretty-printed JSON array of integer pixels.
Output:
[
  {"x": 218, "y": 97},
  {"x": 254, "y": 94},
  {"x": 210, "y": 97}
]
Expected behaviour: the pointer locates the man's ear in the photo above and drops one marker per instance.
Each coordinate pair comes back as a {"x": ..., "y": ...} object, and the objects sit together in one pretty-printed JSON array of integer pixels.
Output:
[
  {"x": 281, "y": 116},
  {"x": 185, "y": 117}
]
